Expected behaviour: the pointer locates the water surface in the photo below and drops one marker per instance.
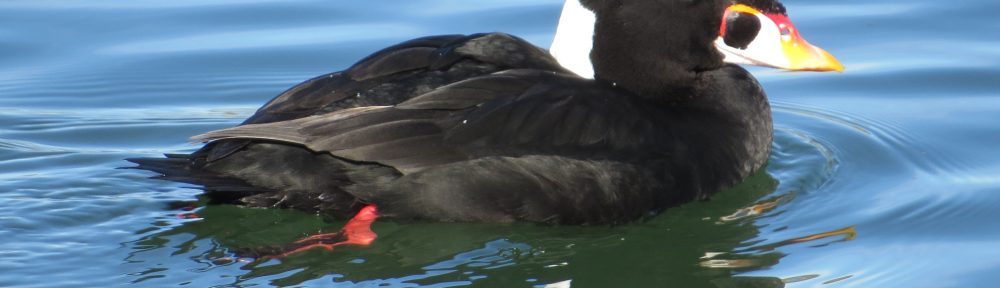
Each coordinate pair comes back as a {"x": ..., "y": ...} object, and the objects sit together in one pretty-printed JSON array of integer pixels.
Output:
[{"x": 883, "y": 176}]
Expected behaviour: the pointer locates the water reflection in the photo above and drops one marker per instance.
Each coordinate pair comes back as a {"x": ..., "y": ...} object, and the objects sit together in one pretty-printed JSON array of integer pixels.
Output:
[{"x": 417, "y": 253}]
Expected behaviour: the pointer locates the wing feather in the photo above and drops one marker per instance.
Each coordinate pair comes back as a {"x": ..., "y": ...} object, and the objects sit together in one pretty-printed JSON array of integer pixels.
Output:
[{"x": 515, "y": 114}]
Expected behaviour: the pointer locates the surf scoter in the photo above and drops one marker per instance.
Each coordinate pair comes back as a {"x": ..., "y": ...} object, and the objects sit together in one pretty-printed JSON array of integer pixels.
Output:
[{"x": 491, "y": 128}]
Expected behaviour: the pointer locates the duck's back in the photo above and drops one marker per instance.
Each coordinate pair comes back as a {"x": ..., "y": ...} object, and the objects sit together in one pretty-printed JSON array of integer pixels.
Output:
[
  {"x": 273, "y": 175},
  {"x": 396, "y": 74},
  {"x": 400, "y": 72}
]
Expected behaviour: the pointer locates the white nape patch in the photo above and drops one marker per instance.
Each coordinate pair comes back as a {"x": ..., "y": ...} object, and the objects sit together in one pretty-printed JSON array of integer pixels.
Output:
[
  {"x": 575, "y": 38},
  {"x": 765, "y": 50}
]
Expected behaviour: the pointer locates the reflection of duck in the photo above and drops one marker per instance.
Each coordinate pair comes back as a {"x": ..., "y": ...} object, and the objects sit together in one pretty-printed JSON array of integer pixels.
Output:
[{"x": 488, "y": 127}]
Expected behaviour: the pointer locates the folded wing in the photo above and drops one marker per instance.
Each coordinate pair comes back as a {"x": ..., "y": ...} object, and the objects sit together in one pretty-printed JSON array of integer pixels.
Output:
[{"x": 512, "y": 113}]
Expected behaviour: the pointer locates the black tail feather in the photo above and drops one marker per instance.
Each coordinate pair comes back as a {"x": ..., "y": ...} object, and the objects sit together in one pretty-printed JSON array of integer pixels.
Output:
[
  {"x": 271, "y": 175},
  {"x": 182, "y": 168}
]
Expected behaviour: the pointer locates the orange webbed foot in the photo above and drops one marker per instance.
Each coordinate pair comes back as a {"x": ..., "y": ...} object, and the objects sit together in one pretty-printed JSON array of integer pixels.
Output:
[{"x": 357, "y": 232}]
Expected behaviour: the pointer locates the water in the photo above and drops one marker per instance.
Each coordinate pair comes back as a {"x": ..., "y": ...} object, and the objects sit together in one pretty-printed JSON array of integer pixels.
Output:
[{"x": 884, "y": 176}]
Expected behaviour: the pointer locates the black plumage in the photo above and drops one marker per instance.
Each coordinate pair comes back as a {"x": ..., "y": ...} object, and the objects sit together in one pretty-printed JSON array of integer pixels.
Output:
[{"x": 489, "y": 128}]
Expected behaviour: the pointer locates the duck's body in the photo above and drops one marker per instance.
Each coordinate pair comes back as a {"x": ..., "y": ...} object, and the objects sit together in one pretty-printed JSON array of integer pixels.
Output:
[
  {"x": 490, "y": 128},
  {"x": 544, "y": 147}
]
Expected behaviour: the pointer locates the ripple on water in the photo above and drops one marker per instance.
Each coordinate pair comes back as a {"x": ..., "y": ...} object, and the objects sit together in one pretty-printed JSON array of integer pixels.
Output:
[
  {"x": 46, "y": 132},
  {"x": 883, "y": 137},
  {"x": 121, "y": 86},
  {"x": 880, "y": 181}
]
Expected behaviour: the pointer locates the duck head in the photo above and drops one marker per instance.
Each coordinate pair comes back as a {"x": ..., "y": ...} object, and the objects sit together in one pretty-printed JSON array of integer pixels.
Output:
[{"x": 695, "y": 34}]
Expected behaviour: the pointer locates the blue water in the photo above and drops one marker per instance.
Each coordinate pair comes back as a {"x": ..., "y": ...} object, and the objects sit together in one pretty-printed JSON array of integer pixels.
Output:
[{"x": 887, "y": 175}]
